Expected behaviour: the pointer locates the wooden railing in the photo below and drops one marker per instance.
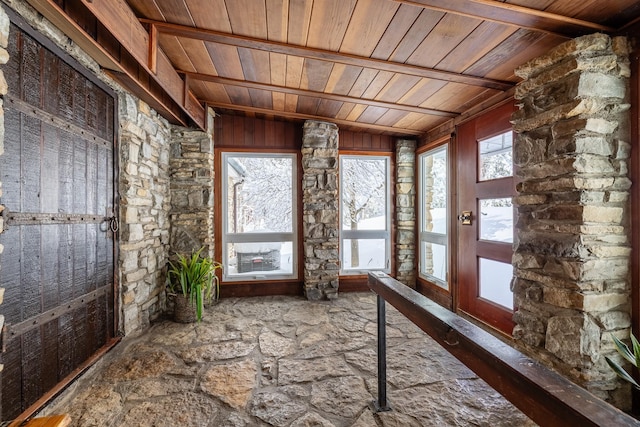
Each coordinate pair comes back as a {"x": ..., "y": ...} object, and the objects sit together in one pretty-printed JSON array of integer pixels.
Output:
[{"x": 543, "y": 395}]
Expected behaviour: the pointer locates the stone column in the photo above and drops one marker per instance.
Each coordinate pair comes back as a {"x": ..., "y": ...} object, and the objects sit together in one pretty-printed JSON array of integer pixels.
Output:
[
  {"x": 406, "y": 212},
  {"x": 320, "y": 209},
  {"x": 191, "y": 174},
  {"x": 572, "y": 254}
]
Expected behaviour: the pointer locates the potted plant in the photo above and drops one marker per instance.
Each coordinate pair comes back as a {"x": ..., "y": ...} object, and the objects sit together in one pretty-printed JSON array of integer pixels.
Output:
[{"x": 192, "y": 282}]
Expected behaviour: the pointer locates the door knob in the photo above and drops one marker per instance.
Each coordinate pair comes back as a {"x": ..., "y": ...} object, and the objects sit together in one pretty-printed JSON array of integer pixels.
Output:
[{"x": 465, "y": 217}]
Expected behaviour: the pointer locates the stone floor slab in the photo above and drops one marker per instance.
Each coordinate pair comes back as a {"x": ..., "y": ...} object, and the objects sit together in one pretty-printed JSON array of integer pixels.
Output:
[{"x": 282, "y": 361}]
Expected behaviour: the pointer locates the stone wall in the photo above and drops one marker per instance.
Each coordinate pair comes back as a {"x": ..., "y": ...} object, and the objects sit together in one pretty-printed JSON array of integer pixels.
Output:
[
  {"x": 320, "y": 210},
  {"x": 191, "y": 174},
  {"x": 144, "y": 205},
  {"x": 572, "y": 265},
  {"x": 405, "y": 175}
]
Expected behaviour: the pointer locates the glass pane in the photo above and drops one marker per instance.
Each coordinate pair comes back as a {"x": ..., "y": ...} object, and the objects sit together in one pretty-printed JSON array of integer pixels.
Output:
[
  {"x": 365, "y": 254},
  {"x": 434, "y": 195},
  {"x": 495, "y": 156},
  {"x": 495, "y": 282},
  {"x": 434, "y": 260},
  {"x": 259, "y": 194},
  {"x": 496, "y": 220},
  {"x": 263, "y": 258},
  {"x": 363, "y": 187}
]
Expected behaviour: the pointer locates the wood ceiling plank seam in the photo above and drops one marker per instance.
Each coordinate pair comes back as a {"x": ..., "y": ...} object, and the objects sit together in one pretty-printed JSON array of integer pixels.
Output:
[
  {"x": 247, "y": 20},
  {"x": 303, "y": 16},
  {"x": 405, "y": 16},
  {"x": 486, "y": 37},
  {"x": 327, "y": 25},
  {"x": 419, "y": 31},
  {"x": 369, "y": 22},
  {"x": 510, "y": 14},
  {"x": 445, "y": 37},
  {"x": 318, "y": 54},
  {"x": 317, "y": 94},
  {"x": 204, "y": 19},
  {"x": 175, "y": 11},
  {"x": 277, "y": 31}
]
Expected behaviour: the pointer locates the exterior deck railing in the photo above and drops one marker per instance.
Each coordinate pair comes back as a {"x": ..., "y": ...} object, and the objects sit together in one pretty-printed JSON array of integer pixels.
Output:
[{"x": 543, "y": 395}]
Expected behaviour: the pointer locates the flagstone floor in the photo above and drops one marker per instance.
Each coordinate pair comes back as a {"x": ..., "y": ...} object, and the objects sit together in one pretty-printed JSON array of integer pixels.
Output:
[{"x": 282, "y": 361}]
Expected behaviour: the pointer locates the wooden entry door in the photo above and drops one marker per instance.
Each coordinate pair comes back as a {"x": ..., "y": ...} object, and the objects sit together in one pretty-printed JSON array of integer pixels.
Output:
[
  {"x": 57, "y": 263},
  {"x": 485, "y": 223}
]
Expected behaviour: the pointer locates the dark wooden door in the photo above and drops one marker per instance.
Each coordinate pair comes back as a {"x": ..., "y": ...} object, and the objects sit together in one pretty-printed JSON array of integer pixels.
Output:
[
  {"x": 57, "y": 263},
  {"x": 486, "y": 186}
]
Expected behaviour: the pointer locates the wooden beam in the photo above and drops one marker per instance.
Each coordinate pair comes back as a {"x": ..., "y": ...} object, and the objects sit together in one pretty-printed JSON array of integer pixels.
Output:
[
  {"x": 324, "y": 55},
  {"x": 311, "y": 93},
  {"x": 300, "y": 116},
  {"x": 153, "y": 49},
  {"x": 511, "y": 14},
  {"x": 122, "y": 23},
  {"x": 543, "y": 395},
  {"x": 133, "y": 64}
]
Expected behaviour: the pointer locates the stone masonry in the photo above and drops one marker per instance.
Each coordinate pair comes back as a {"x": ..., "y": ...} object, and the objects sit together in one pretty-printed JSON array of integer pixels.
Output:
[
  {"x": 571, "y": 260},
  {"x": 320, "y": 210},
  {"x": 406, "y": 212},
  {"x": 144, "y": 205},
  {"x": 191, "y": 175}
]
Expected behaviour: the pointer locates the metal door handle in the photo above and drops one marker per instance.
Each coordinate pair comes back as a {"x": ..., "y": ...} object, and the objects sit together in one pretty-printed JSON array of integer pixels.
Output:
[{"x": 465, "y": 217}]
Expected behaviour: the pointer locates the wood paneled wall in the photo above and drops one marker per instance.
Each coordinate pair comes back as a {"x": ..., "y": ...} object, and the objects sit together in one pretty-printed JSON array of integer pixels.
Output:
[
  {"x": 234, "y": 131},
  {"x": 366, "y": 142}
]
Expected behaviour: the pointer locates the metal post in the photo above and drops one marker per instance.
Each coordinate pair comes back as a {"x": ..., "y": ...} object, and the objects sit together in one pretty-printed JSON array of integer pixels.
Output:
[{"x": 381, "y": 405}]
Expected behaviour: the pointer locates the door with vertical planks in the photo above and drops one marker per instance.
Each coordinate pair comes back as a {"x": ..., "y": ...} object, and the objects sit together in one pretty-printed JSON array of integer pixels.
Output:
[{"x": 57, "y": 262}]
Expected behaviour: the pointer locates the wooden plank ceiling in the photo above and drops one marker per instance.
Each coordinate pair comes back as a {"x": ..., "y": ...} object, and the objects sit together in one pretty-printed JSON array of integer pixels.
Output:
[{"x": 393, "y": 67}]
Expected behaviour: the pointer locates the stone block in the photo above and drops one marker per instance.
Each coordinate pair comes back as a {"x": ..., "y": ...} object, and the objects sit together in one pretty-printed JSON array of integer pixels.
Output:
[
  {"x": 602, "y": 214},
  {"x": 4, "y": 28},
  {"x": 573, "y": 338}
]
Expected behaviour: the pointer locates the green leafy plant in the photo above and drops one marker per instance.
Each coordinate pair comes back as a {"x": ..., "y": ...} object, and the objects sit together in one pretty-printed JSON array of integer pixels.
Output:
[
  {"x": 632, "y": 357},
  {"x": 195, "y": 278}
]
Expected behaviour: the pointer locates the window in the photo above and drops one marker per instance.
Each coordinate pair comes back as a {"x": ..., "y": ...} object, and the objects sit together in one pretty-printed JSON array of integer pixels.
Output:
[
  {"x": 432, "y": 173},
  {"x": 259, "y": 228},
  {"x": 365, "y": 219}
]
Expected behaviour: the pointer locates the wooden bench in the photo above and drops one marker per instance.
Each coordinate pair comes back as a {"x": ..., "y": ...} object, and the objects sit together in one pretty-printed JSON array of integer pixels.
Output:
[{"x": 51, "y": 421}]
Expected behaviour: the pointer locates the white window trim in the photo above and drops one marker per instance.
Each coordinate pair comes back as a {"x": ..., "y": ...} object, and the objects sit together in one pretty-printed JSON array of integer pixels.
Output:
[
  {"x": 252, "y": 237},
  {"x": 368, "y": 234},
  {"x": 428, "y": 236}
]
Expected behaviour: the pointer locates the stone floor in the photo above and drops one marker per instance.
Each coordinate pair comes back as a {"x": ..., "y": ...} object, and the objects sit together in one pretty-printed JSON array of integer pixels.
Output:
[{"x": 282, "y": 361}]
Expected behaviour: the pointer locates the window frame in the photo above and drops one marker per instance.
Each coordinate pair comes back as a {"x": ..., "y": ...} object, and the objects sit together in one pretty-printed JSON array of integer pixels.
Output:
[
  {"x": 259, "y": 237},
  {"x": 385, "y": 234},
  {"x": 425, "y": 236}
]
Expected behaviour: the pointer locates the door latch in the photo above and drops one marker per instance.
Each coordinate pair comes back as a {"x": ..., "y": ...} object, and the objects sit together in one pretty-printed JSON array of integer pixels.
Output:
[{"x": 465, "y": 217}]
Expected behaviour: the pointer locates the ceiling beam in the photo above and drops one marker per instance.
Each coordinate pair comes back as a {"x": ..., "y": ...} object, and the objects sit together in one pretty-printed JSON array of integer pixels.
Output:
[
  {"x": 310, "y": 93},
  {"x": 301, "y": 116},
  {"x": 134, "y": 58},
  {"x": 124, "y": 69},
  {"x": 324, "y": 55},
  {"x": 511, "y": 14}
]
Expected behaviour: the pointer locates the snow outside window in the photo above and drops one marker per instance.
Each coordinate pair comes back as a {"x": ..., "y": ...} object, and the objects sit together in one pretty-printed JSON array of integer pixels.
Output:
[
  {"x": 433, "y": 212},
  {"x": 259, "y": 239},
  {"x": 365, "y": 221}
]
